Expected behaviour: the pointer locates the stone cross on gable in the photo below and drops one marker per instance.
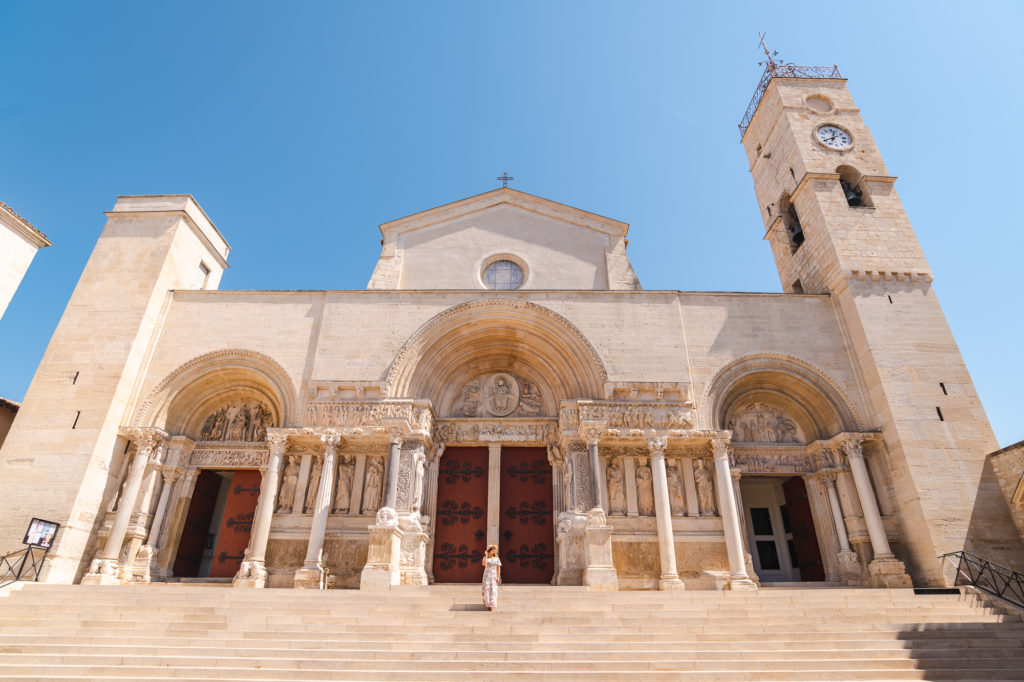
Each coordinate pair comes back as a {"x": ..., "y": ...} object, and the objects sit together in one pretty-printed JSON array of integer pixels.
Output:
[{"x": 505, "y": 177}]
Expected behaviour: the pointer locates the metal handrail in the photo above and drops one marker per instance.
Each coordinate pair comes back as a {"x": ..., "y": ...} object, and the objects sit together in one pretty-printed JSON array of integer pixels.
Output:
[
  {"x": 777, "y": 70},
  {"x": 1000, "y": 581},
  {"x": 24, "y": 564}
]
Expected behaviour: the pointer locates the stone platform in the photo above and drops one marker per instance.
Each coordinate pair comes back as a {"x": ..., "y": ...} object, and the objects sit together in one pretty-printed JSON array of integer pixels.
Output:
[{"x": 194, "y": 632}]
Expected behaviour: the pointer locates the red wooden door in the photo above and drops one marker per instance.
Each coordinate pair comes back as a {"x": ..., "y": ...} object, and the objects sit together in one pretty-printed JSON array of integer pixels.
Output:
[
  {"x": 526, "y": 529},
  {"x": 236, "y": 523},
  {"x": 197, "y": 525},
  {"x": 460, "y": 531},
  {"x": 801, "y": 523}
]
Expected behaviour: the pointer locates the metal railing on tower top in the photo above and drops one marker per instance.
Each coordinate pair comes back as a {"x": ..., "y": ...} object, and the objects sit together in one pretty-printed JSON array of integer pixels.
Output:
[{"x": 778, "y": 70}]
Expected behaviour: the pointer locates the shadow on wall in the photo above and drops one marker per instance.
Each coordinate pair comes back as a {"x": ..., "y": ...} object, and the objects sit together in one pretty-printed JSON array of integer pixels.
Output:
[{"x": 991, "y": 533}]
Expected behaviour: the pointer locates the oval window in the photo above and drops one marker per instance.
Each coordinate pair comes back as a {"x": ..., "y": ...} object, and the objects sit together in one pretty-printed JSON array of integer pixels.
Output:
[{"x": 503, "y": 274}]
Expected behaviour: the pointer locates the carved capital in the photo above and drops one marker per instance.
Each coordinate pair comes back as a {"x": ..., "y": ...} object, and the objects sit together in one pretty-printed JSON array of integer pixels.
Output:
[
  {"x": 657, "y": 446},
  {"x": 277, "y": 440},
  {"x": 330, "y": 439},
  {"x": 852, "y": 447},
  {"x": 722, "y": 448},
  {"x": 170, "y": 475}
]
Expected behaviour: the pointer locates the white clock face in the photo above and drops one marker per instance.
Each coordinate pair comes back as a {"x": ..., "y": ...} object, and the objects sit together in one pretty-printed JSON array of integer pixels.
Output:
[{"x": 833, "y": 137}]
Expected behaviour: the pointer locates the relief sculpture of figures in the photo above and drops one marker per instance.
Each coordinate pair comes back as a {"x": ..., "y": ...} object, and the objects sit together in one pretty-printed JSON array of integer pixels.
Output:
[
  {"x": 760, "y": 423},
  {"x": 616, "y": 489},
  {"x": 705, "y": 489},
  {"x": 675, "y": 491},
  {"x": 417, "y": 486},
  {"x": 374, "y": 484},
  {"x": 313, "y": 484},
  {"x": 644, "y": 491},
  {"x": 245, "y": 422},
  {"x": 343, "y": 495},
  {"x": 286, "y": 500}
]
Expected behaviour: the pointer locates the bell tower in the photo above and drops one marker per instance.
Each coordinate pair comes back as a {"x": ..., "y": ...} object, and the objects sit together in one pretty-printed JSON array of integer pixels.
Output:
[{"x": 836, "y": 226}]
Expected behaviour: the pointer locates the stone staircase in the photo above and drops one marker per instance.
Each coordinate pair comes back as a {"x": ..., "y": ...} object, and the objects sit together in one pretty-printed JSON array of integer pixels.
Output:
[{"x": 192, "y": 632}]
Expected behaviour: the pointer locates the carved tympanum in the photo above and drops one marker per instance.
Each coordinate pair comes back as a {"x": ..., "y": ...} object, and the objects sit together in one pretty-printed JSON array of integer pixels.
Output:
[
  {"x": 499, "y": 395},
  {"x": 760, "y": 423},
  {"x": 245, "y": 421}
]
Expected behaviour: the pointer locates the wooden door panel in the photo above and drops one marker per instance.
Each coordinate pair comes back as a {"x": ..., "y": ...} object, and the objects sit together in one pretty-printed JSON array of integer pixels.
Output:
[
  {"x": 460, "y": 529},
  {"x": 526, "y": 528},
  {"x": 197, "y": 525},
  {"x": 805, "y": 539},
  {"x": 236, "y": 523}
]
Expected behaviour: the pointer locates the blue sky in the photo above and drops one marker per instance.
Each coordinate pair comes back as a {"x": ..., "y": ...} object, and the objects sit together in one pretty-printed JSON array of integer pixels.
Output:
[{"x": 301, "y": 126}]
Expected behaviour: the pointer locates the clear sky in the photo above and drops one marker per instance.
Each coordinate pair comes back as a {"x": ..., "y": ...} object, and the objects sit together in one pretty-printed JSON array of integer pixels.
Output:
[{"x": 301, "y": 126}]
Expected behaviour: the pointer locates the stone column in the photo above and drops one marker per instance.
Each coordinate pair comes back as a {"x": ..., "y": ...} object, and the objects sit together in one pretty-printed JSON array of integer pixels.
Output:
[
  {"x": 104, "y": 569},
  {"x": 253, "y": 571},
  {"x": 885, "y": 570},
  {"x": 666, "y": 538},
  {"x": 181, "y": 499},
  {"x": 493, "y": 493},
  {"x": 738, "y": 578},
  {"x": 383, "y": 569},
  {"x": 848, "y": 565},
  {"x": 429, "y": 509},
  {"x": 596, "y": 475},
  {"x": 312, "y": 574}
]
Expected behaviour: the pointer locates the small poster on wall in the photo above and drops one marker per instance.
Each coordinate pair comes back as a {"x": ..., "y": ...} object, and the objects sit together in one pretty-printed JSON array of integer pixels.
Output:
[{"x": 41, "y": 533}]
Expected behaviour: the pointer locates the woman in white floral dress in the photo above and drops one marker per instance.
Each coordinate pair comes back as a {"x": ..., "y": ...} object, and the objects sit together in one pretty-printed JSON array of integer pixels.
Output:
[{"x": 492, "y": 576}]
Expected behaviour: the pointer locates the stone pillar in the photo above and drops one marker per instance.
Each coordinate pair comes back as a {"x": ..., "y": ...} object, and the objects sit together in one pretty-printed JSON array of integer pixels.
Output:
[
  {"x": 885, "y": 569},
  {"x": 493, "y": 493},
  {"x": 629, "y": 486},
  {"x": 849, "y": 567},
  {"x": 429, "y": 509},
  {"x": 600, "y": 574},
  {"x": 383, "y": 565},
  {"x": 690, "y": 486},
  {"x": 738, "y": 578},
  {"x": 105, "y": 569},
  {"x": 666, "y": 538},
  {"x": 356, "y": 506},
  {"x": 181, "y": 499},
  {"x": 305, "y": 465},
  {"x": 253, "y": 571},
  {"x": 597, "y": 479},
  {"x": 312, "y": 574}
]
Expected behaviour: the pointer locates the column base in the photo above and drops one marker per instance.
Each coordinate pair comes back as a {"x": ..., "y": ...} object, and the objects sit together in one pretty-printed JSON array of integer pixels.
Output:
[
  {"x": 740, "y": 583},
  {"x": 311, "y": 577},
  {"x": 849, "y": 569},
  {"x": 888, "y": 571},
  {"x": 251, "y": 574},
  {"x": 382, "y": 570},
  {"x": 103, "y": 572},
  {"x": 671, "y": 582},
  {"x": 599, "y": 574}
]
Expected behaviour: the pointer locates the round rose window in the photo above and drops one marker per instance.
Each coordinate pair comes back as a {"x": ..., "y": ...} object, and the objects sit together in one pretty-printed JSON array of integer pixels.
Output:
[{"x": 503, "y": 274}]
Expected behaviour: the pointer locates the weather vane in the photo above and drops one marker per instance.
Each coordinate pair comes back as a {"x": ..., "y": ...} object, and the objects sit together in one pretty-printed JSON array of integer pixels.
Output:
[
  {"x": 770, "y": 55},
  {"x": 505, "y": 177}
]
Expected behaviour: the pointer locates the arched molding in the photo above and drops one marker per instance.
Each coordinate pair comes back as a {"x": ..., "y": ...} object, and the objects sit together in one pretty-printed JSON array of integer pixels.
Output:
[
  {"x": 486, "y": 335},
  {"x": 180, "y": 402},
  {"x": 816, "y": 398}
]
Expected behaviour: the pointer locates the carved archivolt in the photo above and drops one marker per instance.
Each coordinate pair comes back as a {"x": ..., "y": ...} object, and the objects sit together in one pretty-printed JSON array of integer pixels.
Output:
[
  {"x": 467, "y": 333},
  {"x": 826, "y": 404},
  {"x": 184, "y": 399}
]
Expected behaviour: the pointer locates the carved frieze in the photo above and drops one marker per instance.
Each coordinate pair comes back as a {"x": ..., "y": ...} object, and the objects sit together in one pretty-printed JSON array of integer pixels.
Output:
[
  {"x": 500, "y": 394},
  {"x": 238, "y": 422},
  {"x": 641, "y": 416},
  {"x": 518, "y": 431},
  {"x": 761, "y": 462},
  {"x": 760, "y": 423},
  {"x": 230, "y": 458},
  {"x": 366, "y": 415}
]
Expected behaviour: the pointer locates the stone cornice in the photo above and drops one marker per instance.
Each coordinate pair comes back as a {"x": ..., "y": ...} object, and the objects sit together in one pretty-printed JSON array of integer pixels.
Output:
[
  {"x": 528, "y": 202},
  {"x": 23, "y": 227}
]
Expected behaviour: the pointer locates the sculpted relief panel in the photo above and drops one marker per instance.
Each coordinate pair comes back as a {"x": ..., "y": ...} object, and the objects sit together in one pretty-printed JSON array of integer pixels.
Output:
[
  {"x": 760, "y": 423},
  {"x": 245, "y": 421},
  {"x": 499, "y": 395}
]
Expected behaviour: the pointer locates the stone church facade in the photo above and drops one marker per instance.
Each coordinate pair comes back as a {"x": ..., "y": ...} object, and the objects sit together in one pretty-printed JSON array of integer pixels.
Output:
[{"x": 505, "y": 379}]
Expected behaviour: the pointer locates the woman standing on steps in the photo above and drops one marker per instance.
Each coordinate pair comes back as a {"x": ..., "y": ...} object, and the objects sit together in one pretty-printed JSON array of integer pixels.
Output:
[{"x": 492, "y": 577}]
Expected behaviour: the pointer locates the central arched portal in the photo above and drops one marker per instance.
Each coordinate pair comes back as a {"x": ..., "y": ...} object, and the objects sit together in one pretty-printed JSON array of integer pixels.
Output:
[
  {"x": 494, "y": 495},
  {"x": 496, "y": 372}
]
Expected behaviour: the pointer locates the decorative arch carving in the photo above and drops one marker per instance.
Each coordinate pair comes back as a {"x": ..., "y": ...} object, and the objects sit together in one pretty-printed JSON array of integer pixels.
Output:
[
  {"x": 804, "y": 391},
  {"x": 496, "y": 335},
  {"x": 183, "y": 400}
]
